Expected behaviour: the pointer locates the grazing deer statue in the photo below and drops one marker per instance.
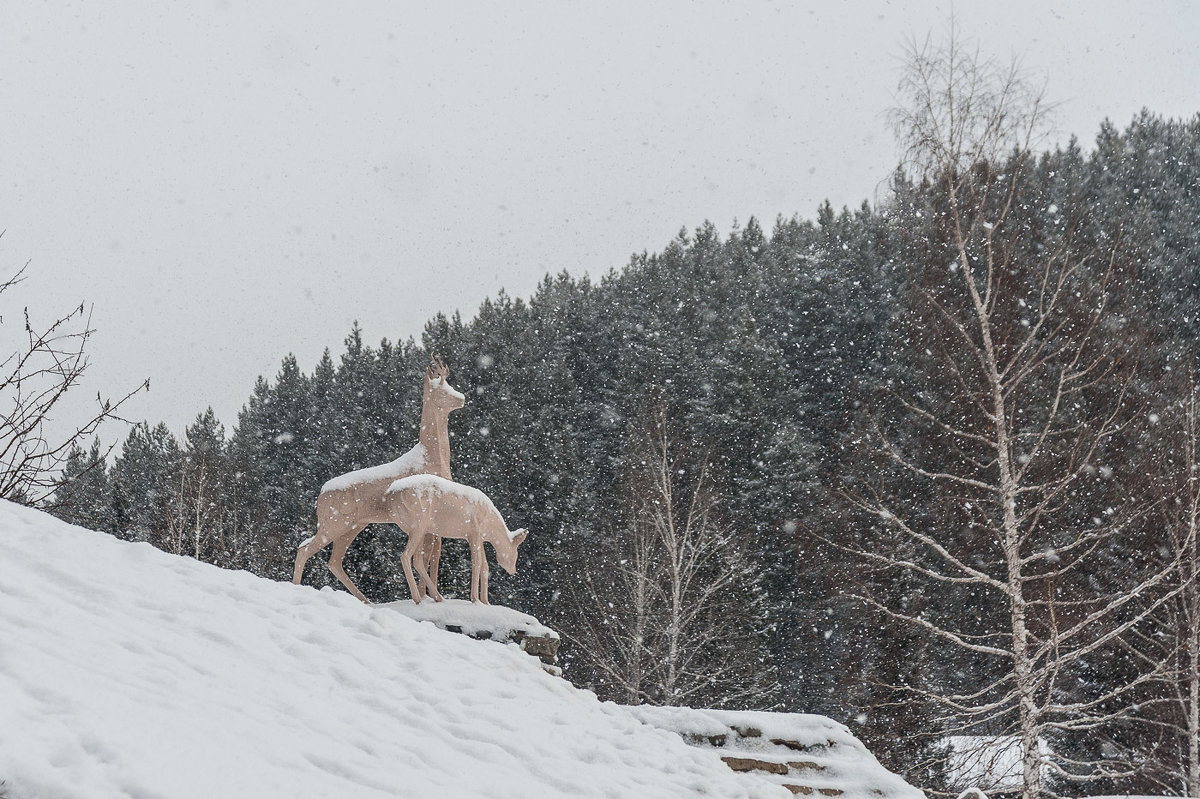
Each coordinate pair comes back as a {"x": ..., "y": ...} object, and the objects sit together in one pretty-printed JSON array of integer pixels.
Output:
[
  {"x": 347, "y": 504},
  {"x": 428, "y": 506}
]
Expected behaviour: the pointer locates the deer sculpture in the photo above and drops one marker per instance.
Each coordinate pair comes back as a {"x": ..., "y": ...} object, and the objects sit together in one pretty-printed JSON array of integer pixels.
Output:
[
  {"x": 426, "y": 506},
  {"x": 348, "y": 503}
]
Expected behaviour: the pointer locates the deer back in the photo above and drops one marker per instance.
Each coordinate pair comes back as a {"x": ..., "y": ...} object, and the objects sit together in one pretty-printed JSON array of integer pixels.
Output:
[
  {"x": 429, "y": 504},
  {"x": 359, "y": 494}
]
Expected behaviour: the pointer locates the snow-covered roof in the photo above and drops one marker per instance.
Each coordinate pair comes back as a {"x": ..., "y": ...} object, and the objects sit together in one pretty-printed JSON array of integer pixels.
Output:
[{"x": 125, "y": 671}]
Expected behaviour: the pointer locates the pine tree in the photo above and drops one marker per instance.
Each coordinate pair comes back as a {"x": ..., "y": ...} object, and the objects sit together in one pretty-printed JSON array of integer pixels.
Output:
[
  {"x": 82, "y": 497},
  {"x": 145, "y": 482}
]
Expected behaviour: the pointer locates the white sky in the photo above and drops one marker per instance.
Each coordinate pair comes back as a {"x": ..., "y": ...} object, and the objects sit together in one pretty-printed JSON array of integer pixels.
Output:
[{"x": 230, "y": 182}]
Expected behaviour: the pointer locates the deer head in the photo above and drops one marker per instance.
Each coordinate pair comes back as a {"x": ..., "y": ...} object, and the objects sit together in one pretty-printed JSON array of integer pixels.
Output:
[
  {"x": 506, "y": 556},
  {"x": 437, "y": 386}
]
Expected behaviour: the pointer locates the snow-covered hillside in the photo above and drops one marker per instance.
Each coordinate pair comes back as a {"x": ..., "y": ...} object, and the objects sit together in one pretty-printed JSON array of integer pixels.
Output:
[{"x": 127, "y": 672}]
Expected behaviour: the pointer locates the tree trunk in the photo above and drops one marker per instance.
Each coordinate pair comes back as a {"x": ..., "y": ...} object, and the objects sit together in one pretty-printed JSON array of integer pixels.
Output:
[
  {"x": 1193, "y": 720},
  {"x": 1192, "y": 644},
  {"x": 199, "y": 499}
]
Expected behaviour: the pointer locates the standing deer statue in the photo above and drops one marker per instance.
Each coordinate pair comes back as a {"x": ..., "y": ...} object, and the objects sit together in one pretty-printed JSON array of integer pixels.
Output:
[
  {"x": 426, "y": 506},
  {"x": 347, "y": 504}
]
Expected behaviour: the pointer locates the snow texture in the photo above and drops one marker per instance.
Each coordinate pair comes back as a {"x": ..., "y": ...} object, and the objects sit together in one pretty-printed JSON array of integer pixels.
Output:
[
  {"x": 473, "y": 618},
  {"x": 125, "y": 671},
  {"x": 821, "y": 754},
  {"x": 412, "y": 461}
]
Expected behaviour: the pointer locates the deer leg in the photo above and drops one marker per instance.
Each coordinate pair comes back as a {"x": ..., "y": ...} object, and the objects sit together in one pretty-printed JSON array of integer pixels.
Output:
[
  {"x": 435, "y": 556},
  {"x": 430, "y": 584},
  {"x": 305, "y": 551},
  {"x": 417, "y": 556},
  {"x": 428, "y": 556},
  {"x": 478, "y": 564},
  {"x": 406, "y": 562},
  {"x": 485, "y": 570},
  {"x": 335, "y": 565}
]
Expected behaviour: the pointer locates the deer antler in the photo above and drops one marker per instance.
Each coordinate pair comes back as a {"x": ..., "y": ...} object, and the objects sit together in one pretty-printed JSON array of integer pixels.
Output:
[{"x": 437, "y": 367}]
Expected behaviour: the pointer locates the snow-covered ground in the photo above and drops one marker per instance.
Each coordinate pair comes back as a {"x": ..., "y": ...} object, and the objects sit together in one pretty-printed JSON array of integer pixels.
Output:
[{"x": 127, "y": 672}]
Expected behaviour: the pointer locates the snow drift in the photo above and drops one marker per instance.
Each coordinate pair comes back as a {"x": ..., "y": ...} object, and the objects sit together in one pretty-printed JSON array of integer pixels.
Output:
[{"x": 127, "y": 672}]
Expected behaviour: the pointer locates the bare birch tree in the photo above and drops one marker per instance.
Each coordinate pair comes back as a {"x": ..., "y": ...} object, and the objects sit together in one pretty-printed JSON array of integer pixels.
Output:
[
  {"x": 47, "y": 361},
  {"x": 669, "y": 615},
  {"x": 1023, "y": 390},
  {"x": 203, "y": 488}
]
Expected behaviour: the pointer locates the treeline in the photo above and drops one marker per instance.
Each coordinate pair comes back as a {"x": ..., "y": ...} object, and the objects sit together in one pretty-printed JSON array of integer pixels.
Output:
[{"x": 788, "y": 376}]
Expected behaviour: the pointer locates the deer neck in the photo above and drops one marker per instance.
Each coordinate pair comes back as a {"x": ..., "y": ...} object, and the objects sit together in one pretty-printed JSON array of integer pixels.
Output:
[
  {"x": 496, "y": 533},
  {"x": 435, "y": 438}
]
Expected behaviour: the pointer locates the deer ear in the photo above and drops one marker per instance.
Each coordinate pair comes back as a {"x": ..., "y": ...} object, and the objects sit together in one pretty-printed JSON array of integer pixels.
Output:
[{"x": 519, "y": 536}]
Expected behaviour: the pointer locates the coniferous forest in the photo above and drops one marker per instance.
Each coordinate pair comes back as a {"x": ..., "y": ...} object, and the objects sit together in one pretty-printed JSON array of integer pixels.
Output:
[{"x": 802, "y": 464}]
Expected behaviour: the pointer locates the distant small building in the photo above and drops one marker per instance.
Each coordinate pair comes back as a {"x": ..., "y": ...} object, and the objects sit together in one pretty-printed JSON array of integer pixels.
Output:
[{"x": 991, "y": 763}]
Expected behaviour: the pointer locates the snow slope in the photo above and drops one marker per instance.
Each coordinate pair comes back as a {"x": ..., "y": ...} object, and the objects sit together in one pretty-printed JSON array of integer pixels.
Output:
[{"x": 127, "y": 672}]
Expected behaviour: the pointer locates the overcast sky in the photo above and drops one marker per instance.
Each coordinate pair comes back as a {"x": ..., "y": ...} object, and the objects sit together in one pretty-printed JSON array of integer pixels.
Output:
[{"x": 231, "y": 182}]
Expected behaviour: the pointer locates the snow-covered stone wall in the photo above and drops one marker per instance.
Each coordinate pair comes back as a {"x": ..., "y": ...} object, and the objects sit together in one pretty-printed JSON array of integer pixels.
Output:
[
  {"x": 808, "y": 755},
  {"x": 486, "y": 623}
]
